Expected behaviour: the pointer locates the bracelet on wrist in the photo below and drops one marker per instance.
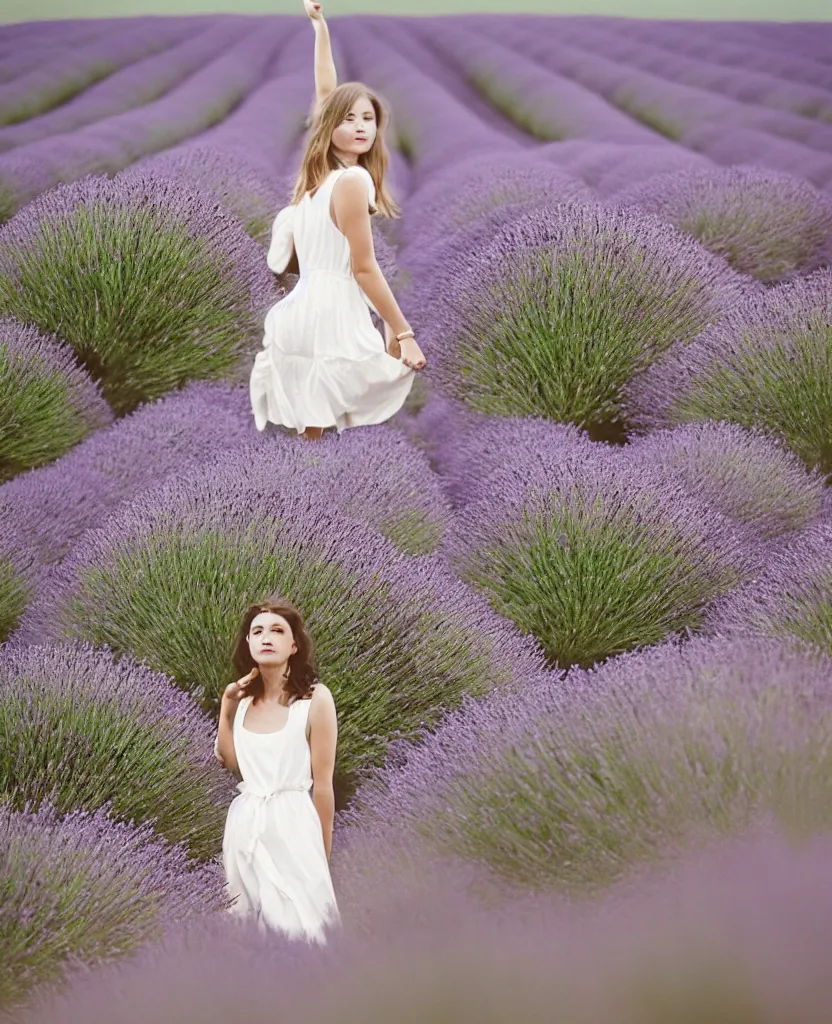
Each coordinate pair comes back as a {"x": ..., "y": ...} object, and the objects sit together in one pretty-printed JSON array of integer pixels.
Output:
[{"x": 405, "y": 334}]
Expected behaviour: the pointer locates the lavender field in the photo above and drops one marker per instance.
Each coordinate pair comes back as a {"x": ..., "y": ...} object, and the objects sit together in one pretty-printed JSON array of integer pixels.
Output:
[{"x": 574, "y": 602}]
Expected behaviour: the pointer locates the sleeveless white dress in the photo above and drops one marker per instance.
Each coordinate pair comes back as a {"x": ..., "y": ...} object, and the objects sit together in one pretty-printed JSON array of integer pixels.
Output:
[
  {"x": 323, "y": 362},
  {"x": 273, "y": 848}
]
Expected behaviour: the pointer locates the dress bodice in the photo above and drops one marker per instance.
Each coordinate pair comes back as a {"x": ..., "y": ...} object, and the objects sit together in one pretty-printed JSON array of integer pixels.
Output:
[{"x": 272, "y": 762}]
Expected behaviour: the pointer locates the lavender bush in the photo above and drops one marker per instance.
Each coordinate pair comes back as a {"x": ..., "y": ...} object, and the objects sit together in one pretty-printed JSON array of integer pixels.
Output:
[
  {"x": 772, "y": 226},
  {"x": 195, "y": 553},
  {"x": 746, "y": 475},
  {"x": 766, "y": 365},
  {"x": 595, "y": 554},
  {"x": 470, "y": 188},
  {"x": 52, "y": 506},
  {"x": 47, "y": 402},
  {"x": 791, "y": 598},
  {"x": 86, "y": 890},
  {"x": 737, "y": 934},
  {"x": 150, "y": 282},
  {"x": 577, "y": 783},
  {"x": 563, "y": 307},
  {"x": 84, "y": 731},
  {"x": 19, "y": 574}
]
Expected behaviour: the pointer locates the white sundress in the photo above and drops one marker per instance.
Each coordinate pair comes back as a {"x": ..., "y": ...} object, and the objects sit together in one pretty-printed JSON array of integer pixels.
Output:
[
  {"x": 323, "y": 362},
  {"x": 273, "y": 848}
]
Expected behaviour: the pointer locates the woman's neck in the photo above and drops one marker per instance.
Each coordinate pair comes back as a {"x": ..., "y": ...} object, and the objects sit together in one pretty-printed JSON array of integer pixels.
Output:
[{"x": 274, "y": 682}]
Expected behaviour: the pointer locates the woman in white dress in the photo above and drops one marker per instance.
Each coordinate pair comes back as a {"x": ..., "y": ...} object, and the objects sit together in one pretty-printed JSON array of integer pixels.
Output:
[
  {"x": 277, "y": 734},
  {"x": 323, "y": 363}
]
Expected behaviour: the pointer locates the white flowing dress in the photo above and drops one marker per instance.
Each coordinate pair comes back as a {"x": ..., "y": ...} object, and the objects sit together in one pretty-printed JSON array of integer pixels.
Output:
[
  {"x": 323, "y": 362},
  {"x": 273, "y": 848}
]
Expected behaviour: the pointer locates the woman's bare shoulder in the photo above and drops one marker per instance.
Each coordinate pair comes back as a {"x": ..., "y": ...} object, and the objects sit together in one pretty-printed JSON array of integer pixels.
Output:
[{"x": 321, "y": 694}]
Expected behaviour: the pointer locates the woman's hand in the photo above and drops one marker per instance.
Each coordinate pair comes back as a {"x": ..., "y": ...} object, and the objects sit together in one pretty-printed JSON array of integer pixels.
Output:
[
  {"x": 313, "y": 9},
  {"x": 412, "y": 355},
  {"x": 236, "y": 691}
]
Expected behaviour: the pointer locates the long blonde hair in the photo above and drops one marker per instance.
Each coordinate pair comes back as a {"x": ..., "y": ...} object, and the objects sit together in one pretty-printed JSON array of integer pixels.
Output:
[{"x": 319, "y": 158}]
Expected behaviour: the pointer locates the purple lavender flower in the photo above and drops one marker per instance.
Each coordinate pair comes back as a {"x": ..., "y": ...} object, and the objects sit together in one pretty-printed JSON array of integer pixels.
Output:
[
  {"x": 575, "y": 783},
  {"x": 563, "y": 307},
  {"x": 767, "y": 224},
  {"x": 86, "y": 890},
  {"x": 608, "y": 167},
  {"x": 52, "y": 506},
  {"x": 84, "y": 730},
  {"x": 790, "y": 598},
  {"x": 228, "y": 175},
  {"x": 201, "y": 547},
  {"x": 722, "y": 129},
  {"x": 48, "y": 402},
  {"x": 594, "y": 553},
  {"x": 110, "y": 145},
  {"x": 746, "y": 475},
  {"x": 19, "y": 573},
  {"x": 136, "y": 84},
  {"x": 765, "y": 365},
  {"x": 465, "y": 191},
  {"x": 546, "y": 105},
  {"x": 744, "y": 926},
  {"x": 52, "y": 83},
  {"x": 151, "y": 283}
]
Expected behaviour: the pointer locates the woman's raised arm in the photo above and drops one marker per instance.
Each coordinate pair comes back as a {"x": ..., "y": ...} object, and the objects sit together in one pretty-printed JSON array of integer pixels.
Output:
[{"x": 326, "y": 76}]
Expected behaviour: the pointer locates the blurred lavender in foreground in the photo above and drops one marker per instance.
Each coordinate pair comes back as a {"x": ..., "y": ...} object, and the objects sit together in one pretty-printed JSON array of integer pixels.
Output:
[
  {"x": 47, "y": 402},
  {"x": 741, "y": 933},
  {"x": 575, "y": 783}
]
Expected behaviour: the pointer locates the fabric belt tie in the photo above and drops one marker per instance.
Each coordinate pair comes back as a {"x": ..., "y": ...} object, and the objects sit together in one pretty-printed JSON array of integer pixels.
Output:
[{"x": 262, "y": 800}]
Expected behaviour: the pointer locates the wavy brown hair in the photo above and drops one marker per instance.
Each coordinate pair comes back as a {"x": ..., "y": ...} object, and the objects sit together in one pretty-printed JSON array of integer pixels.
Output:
[
  {"x": 302, "y": 670},
  {"x": 319, "y": 158}
]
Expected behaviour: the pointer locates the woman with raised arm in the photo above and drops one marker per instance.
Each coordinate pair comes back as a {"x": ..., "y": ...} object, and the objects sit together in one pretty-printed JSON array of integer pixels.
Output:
[
  {"x": 323, "y": 363},
  {"x": 277, "y": 733}
]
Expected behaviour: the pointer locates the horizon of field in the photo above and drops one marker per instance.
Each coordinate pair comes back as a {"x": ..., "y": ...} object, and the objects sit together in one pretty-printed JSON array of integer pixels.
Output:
[{"x": 13, "y": 11}]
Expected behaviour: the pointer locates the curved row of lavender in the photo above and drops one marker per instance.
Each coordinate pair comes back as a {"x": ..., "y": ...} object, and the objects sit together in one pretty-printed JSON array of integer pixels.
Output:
[{"x": 452, "y": 571}]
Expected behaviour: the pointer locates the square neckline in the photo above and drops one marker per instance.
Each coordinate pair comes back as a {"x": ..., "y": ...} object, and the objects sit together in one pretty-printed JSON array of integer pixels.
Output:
[{"x": 271, "y": 732}]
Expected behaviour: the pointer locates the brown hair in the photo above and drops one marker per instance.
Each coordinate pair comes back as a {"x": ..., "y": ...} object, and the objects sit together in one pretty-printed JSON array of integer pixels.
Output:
[
  {"x": 302, "y": 671},
  {"x": 319, "y": 158}
]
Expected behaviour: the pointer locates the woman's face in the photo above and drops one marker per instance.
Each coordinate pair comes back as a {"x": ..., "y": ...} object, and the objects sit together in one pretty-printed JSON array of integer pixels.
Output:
[
  {"x": 357, "y": 132},
  {"x": 270, "y": 639}
]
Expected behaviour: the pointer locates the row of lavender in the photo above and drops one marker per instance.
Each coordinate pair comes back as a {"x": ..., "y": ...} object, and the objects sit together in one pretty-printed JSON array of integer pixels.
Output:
[{"x": 412, "y": 569}]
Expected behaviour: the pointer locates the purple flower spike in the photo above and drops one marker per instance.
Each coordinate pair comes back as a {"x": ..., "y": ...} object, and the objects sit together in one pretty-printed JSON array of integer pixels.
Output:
[
  {"x": 49, "y": 403},
  {"x": 765, "y": 365},
  {"x": 574, "y": 783},
  {"x": 86, "y": 890},
  {"x": 746, "y": 475},
  {"x": 20, "y": 573},
  {"x": 790, "y": 598},
  {"x": 146, "y": 747},
  {"x": 593, "y": 553},
  {"x": 764, "y": 223},
  {"x": 152, "y": 283}
]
